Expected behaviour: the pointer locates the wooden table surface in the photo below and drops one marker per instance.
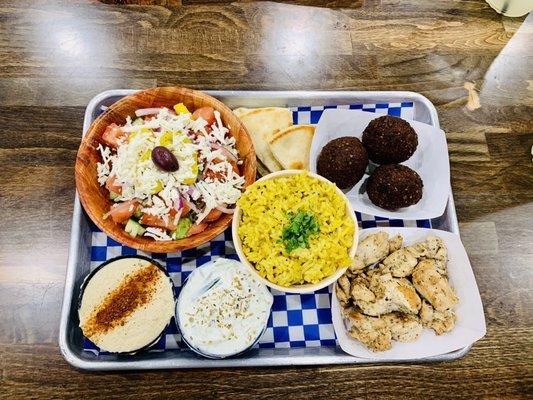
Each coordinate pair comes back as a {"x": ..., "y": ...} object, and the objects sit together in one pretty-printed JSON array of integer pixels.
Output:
[{"x": 56, "y": 55}]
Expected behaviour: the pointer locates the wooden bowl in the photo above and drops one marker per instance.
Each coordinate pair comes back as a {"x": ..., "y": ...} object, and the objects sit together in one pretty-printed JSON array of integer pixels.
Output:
[
  {"x": 95, "y": 197},
  {"x": 307, "y": 287}
]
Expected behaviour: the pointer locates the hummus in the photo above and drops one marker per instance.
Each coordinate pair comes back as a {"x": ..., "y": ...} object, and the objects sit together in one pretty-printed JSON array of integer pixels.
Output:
[{"x": 126, "y": 305}]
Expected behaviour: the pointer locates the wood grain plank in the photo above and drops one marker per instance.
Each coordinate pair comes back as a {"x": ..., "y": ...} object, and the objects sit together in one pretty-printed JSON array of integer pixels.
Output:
[
  {"x": 52, "y": 92},
  {"x": 491, "y": 369},
  {"x": 33, "y": 312}
]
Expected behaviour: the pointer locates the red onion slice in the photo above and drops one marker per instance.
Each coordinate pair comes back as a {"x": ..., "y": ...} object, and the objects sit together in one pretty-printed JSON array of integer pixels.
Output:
[
  {"x": 147, "y": 111},
  {"x": 177, "y": 203}
]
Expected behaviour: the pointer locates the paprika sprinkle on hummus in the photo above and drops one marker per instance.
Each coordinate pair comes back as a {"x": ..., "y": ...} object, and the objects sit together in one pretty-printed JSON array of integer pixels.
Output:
[{"x": 134, "y": 292}]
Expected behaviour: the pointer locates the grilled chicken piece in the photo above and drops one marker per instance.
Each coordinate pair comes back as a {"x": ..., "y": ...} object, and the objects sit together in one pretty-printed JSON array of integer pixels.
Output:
[
  {"x": 342, "y": 290},
  {"x": 440, "y": 266},
  {"x": 371, "y": 331},
  {"x": 392, "y": 294},
  {"x": 404, "y": 327},
  {"x": 377, "y": 333},
  {"x": 432, "y": 247},
  {"x": 373, "y": 248},
  {"x": 376, "y": 272},
  {"x": 437, "y": 251},
  {"x": 401, "y": 263},
  {"x": 440, "y": 321},
  {"x": 360, "y": 289},
  {"x": 435, "y": 247},
  {"x": 357, "y": 266},
  {"x": 395, "y": 243},
  {"x": 419, "y": 250},
  {"x": 433, "y": 286}
]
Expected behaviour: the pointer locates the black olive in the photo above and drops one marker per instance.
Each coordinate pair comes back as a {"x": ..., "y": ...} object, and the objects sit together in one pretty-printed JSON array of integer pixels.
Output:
[{"x": 164, "y": 159}]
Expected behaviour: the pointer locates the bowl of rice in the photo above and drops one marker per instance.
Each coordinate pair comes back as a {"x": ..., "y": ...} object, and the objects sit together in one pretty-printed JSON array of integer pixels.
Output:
[{"x": 295, "y": 230}]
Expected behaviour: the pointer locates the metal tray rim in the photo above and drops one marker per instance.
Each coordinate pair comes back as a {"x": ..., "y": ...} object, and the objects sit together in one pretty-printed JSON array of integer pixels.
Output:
[{"x": 95, "y": 365}]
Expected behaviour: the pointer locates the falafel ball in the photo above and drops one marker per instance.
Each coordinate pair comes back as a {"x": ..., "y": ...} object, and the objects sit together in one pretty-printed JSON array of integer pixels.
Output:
[
  {"x": 389, "y": 140},
  {"x": 343, "y": 161},
  {"x": 394, "y": 186}
]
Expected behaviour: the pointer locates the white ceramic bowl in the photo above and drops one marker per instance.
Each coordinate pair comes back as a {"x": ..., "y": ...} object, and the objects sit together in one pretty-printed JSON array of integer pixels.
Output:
[
  {"x": 306, "y": 288},
  {"x": 196, "y": 349}
]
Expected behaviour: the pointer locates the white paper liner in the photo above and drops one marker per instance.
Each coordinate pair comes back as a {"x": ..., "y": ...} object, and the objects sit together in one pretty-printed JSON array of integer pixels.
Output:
[{"x": 470, "y": 325}]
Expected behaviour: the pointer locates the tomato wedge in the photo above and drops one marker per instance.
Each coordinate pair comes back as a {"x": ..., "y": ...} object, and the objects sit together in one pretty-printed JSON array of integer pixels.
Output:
[
  {"x": 218, "y": 175},
  {"x": 121, "y": 212},
  {"x": 194, "y": 229},
  {"x": 213, "y": 215},
  {"x": 112, "y": 134},
  {"x": 112, "y": 185},
  {"x": 207, "y": 113},
  {"x": 235, "y": 166},
  {"x": 185, "y": 210},
  {"x": 158, "y": 222}
]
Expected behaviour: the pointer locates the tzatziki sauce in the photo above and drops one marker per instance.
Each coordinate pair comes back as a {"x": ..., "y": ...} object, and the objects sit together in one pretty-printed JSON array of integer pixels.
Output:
[{"x": 222, "y": 309}]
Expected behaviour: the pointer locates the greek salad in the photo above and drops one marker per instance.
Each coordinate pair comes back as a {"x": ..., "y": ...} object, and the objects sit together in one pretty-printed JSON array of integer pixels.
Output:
[{"x": 169, "y": 172}]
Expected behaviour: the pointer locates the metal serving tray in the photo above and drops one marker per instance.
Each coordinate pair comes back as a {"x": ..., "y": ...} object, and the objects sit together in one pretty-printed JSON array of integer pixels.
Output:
[{"x": 70, "y": 336}]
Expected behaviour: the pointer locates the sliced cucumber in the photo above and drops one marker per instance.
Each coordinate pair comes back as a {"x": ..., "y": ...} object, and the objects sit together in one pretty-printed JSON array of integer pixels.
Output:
[
  {"x": 183, "y": 227},
  {"x": 133, "y": 228}
]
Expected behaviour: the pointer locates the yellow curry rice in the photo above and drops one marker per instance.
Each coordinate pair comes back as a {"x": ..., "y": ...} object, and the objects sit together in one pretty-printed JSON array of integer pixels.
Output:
[{"x": 265, "y": 206}]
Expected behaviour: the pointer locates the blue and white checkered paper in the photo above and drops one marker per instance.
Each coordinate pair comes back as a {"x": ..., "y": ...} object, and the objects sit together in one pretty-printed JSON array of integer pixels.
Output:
[{"x": 296, "y": 320}]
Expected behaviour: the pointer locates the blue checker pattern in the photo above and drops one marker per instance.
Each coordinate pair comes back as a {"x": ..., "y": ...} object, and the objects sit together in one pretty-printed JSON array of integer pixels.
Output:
[{"x": 296, "y": 320}]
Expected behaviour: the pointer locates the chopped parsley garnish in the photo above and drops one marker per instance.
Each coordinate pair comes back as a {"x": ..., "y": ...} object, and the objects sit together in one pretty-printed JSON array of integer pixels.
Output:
[{"x": 301, "y": 226}]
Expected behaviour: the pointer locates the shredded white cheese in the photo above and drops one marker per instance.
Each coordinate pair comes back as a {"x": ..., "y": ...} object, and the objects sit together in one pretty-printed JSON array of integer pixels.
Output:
[
  {"x": 104, "y": 168},
  {"x": 157, "y": 234}
]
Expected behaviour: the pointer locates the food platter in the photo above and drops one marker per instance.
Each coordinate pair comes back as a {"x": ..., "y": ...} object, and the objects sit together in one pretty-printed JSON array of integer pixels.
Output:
[{"x": 81, "y": 247}]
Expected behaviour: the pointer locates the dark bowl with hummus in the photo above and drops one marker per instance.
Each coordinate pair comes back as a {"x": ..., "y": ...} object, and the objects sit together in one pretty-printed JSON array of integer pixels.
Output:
[{"x": 126, "y": 304}]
